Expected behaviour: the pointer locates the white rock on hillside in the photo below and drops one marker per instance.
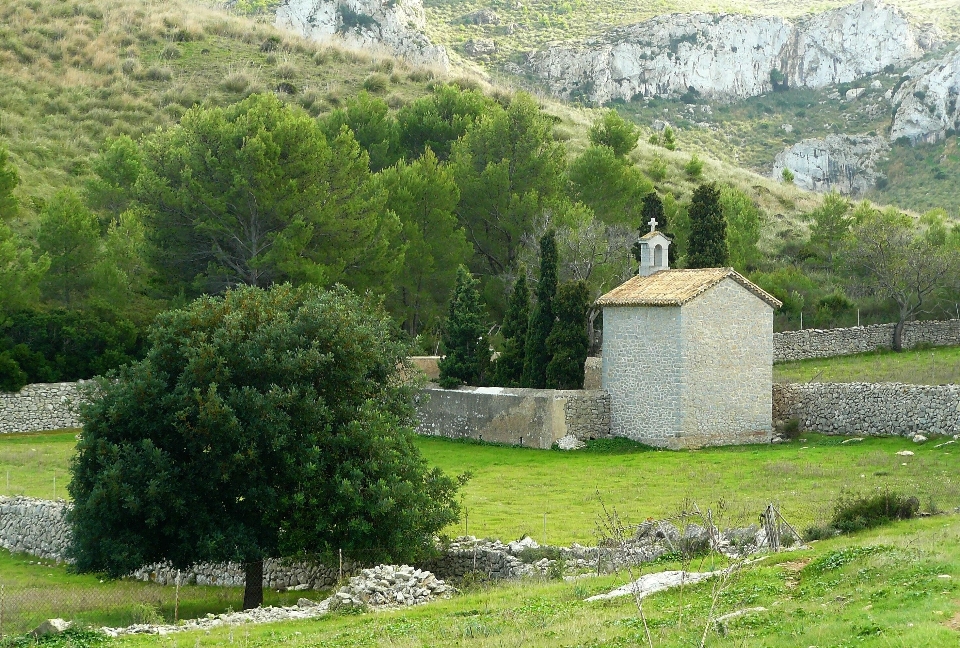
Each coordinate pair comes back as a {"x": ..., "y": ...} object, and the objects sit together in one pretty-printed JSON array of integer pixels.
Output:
[
  {"x": 732, "y": 56},
  {"x": 843, "y": 163},
  {"x": 366, "y": 24},
  {"x": 927, "y": 103}
]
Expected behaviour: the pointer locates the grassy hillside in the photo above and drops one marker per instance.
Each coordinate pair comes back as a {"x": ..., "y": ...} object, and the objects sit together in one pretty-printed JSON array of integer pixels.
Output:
[
  {"x": 938, "y": 366},
  {"x": 529, "y": 24},
  {"x": 76, "y": 72}
]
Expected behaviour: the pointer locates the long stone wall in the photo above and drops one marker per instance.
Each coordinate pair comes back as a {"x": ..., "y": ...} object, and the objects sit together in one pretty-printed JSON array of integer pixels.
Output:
[
  {"x": 39, "y": 407},
  {"x": 826, "y": 343},
  {"x": 39, "y": 528},
  {"x": 869, "y": 409},
  {"x": 535, "y": 418}
]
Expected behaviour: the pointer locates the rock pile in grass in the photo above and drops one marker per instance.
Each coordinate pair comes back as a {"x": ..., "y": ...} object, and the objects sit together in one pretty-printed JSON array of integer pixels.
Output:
[{"x": 389, "y": 586}]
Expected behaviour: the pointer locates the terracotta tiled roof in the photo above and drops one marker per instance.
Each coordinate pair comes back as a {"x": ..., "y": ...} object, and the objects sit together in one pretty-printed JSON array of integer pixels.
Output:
[{"x": 677, "y": 287}]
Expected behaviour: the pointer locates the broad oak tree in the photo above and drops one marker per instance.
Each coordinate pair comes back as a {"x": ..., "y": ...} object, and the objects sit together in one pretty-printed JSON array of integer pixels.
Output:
[{"x": 261, "y": 424}]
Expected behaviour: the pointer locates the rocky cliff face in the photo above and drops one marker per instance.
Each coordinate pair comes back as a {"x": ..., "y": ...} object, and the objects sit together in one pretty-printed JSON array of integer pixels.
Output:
[
  {"x": 927, "y": 102},
  {"x": 843, "y": 163},
  {"x": 394, "y": 25},
  {"x": 729, "y": 56}
]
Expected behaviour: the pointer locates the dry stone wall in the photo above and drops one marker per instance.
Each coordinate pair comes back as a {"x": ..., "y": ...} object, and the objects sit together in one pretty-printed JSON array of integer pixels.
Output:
[
  {"x": 39, "y": 407},
  {"x": 870, "y": 409},
  {"x": 39, "y": 528},
  {"x": 826, "y": 343}
]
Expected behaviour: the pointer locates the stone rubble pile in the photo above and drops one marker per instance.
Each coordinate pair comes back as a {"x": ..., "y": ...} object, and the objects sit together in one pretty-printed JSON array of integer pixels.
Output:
[{"x": 389, "y": 586}]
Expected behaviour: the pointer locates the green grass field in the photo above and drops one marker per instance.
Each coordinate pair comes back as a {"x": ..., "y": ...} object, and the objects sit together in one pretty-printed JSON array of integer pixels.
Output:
[
  {"x": 898, "y": 586},
  {"x": 557, "y": 497},
  {"x": 938, "y": 366}
]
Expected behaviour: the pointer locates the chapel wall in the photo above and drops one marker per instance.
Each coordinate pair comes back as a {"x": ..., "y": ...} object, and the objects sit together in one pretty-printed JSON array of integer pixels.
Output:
[
  {"x": 644, "y": 390},
  {"x": 535, "y": 418},
  {"x": 727, "y": 357}
]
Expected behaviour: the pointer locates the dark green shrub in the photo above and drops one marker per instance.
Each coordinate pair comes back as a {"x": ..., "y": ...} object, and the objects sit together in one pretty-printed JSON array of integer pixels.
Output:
[
  {"x": 859, "y": 512},
  {"x": 376, "y": 83},
  {"x": 791, "y": 429}
]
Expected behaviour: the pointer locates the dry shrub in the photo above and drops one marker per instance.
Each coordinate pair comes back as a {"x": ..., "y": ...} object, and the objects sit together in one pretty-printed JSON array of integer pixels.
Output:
[
  {"x": 105, "y": 60},
  {"x": 130, "y": 67},
  {"x": 158, "y": 73},
  {"x": 287, "y": 70},
  {"x": 376, "y": 83},
  {"x": 237, "y": 81},
  {"x": 170, "y": 52}
]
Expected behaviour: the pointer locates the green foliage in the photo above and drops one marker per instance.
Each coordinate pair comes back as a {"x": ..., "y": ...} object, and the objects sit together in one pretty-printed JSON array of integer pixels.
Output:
[
  {"x": 508, "y": 368},
  {"x": 615, "y": 132},
  {"x": 668, "y": 139},
  {"x": 69, "y": 235},
  {"x": 568, "y": 344},
  {"x": 70, "y": 638},
  {"x": 281, "y": 202},
  {"x": 694, "y": 167},
  {"x": 744, "y": 224},
  {"x": 657, "y": 170},
  {"x": 509, "y": 171},
  {"x": 438, "y": 120},
  {"x": 265, "y": 423},
  {"x": 424, "y": 197},
  {"x": 20, "y": 275},
  {"x": 116, "y": 170},
  {"x": 9, "y": 180},
  {"x": 787, "y": 176},
  {"x": 374, "y": 129},
  {"x": 536, "y": 354},
  {"x": 778, "y": 80},
  {"x": 464, "y": 336},
  {"x": 708, "y": 229},
  {"x": 612, "y": 187},
  {"x": 65, "y": 346},
  {"x": 831, "y": 225},
  {"x": 859, "y": 512},
  {"x": 376, "y": 83}
]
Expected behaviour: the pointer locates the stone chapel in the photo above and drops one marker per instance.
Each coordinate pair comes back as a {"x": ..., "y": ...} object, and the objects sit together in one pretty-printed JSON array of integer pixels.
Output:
[{"x": 687, "y": 354}]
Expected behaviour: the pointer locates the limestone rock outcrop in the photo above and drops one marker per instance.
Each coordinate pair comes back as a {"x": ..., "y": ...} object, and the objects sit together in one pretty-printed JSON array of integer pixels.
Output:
[
  {"x": 845, "y": 163},
  {"x": 927, "y": 102},
  {"x": 728, "y": 56},
  {"x": 395, "y": 26}
]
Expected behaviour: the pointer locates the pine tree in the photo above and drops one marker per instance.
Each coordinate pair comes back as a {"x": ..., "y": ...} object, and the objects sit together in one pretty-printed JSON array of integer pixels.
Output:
[
  {"x": 568, "y": 344},
  {"x": 464, "y": 340},
  {"x": 536, "y": 356},
  {"x": 508, "y": 370},
  {"x": 707, "y": 246}
]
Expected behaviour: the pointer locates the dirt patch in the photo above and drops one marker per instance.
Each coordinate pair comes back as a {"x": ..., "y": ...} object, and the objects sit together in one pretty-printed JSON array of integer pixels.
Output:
[
  {"x": 795, "y": 566},
  {"x": 954, "y": 623}
]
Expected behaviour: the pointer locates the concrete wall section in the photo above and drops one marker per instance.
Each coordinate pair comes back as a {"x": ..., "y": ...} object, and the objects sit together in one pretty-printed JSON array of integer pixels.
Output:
[
  {"x": 535, "y": 418},
  {"x": 39, "y": 407},
  {"x": 826, "y": 343},
  {"x": 727, "y": 368},
  {"x": 642, "y": 372},
  {"x": 870, "y": 409}
]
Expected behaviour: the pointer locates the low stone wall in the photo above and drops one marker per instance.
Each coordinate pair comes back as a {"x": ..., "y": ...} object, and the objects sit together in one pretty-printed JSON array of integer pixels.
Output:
[
  {"x": 535, "y": 418},
  {"x": 826, "y": 343},
  {"x": 39, "y": 407},
  {"x": 593, "y": 373},
  {"x": 34, "y": 526},
  {"x": 869, "y": 409},
  {"x": 38, "y": 527}
]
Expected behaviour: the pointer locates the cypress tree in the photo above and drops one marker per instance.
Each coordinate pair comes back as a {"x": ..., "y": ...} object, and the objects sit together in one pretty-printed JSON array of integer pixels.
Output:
[
  {"x": 463, "y": 338},
  {"x": 508, "y": 370},
  {"x": 652, "y": 207},
  {"x": 536, "y": 356},
  {"x": 707, "y": 245},
  {"x": 568, "y": 343}
]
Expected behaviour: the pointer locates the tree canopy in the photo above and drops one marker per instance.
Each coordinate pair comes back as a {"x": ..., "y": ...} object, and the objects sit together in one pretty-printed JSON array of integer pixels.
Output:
[
  {"x": 264, "y": 423},
  {"x": 707, "y": 244}
]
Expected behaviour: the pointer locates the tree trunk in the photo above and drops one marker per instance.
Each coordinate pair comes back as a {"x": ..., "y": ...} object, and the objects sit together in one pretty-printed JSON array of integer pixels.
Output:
[
  {"x": 898, "y": 335},
  {"x": 253, "y": 585}
]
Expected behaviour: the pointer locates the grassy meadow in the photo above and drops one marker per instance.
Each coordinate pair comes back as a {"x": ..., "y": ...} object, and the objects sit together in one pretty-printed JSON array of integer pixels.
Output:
[
  {"x": 936, "y": 366},
  {"x": 557, "y": 497},
  {"x": 897, "y": 586}
]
